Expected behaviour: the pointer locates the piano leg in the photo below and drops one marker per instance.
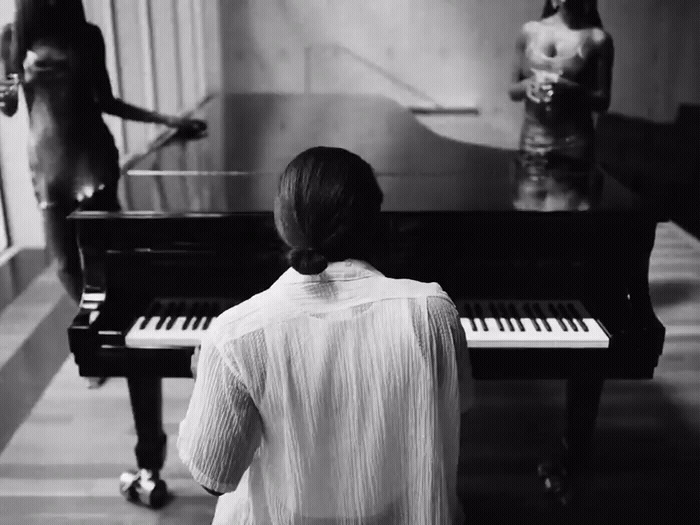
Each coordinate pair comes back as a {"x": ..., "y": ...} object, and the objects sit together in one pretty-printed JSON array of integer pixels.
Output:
[
  {"x": 146, "y": 395},
  {"x": 582, "y": 402},
  {"x": 562, "y": 477}
]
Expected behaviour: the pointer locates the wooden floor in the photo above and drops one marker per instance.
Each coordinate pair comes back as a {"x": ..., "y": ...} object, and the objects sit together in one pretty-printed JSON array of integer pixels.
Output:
[{"x": 62, "y": 446}]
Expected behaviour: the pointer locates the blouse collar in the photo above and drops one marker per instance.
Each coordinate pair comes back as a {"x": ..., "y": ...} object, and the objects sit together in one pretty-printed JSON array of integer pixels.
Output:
[{"x": 347, "y": 270}]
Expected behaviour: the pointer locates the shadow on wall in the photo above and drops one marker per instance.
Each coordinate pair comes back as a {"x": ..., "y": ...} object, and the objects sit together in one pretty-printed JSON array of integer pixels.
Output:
[{"x": 659, "y": 160}]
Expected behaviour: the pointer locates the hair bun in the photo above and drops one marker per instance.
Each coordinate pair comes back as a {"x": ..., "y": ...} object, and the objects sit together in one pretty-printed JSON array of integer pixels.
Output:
[{"x": 307, "y": 261}]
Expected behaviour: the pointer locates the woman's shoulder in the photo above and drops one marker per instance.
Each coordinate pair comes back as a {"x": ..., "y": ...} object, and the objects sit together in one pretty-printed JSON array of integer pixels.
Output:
[
  {"x": 92, "y": 31},
  {"x": 88, "y": 42},
  {"x": 408, "y": 288},
  {"x": 530, "y": 28},
  {"x": 599, "y": 38},
  {"x": 596, "y": 41},
  {"x": 247, "y": 309},
  {"x": 92, "y": 39}
]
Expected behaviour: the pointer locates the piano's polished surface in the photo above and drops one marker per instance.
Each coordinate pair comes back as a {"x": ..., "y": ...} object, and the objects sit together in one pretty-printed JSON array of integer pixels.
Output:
[
  {"x": 252, "y": 137},
  {"x": 197, "y": 223}
]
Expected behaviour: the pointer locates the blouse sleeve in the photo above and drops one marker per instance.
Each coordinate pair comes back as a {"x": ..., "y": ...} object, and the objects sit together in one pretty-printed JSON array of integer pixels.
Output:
[
  {"x": 222, "y": 428},
  {"x": 464, "y": 365},
  {"x": 455, "y": 382},
  {"x": 447, "y": 328}
]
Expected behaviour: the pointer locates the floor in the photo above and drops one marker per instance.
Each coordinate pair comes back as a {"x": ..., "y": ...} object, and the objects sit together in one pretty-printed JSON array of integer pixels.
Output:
[{"x": 63, "y": 446}]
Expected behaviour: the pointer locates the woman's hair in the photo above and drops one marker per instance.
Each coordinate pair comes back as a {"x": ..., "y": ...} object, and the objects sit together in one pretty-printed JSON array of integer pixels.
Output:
[
  {"x": 326, "y": 209},
  {"x": 585, "y": 12},
  {"x": 6, "y": 47},
  {"x": 62, "y": 21}
]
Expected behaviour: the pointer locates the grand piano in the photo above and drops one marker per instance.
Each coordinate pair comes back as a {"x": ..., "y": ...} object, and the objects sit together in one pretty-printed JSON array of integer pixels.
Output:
[{"x": 551, "y": 279}]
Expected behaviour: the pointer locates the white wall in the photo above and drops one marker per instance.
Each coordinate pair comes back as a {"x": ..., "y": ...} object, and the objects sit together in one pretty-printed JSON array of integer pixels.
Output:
[{"x": 457, "y": 52}]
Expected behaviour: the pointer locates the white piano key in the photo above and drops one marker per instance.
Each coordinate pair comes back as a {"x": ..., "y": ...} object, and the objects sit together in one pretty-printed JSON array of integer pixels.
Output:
[
  {"x": 530, "y": 337},
  {"x": 151, "y": 325},
  {"x": 176, "y": 335},
  {"x": 467, "y": 326},
  {"x": 530, "y": 327}
]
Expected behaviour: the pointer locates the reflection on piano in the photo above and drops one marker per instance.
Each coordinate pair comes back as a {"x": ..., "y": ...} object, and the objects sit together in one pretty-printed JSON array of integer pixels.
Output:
[{"x": 198, "y": 225}]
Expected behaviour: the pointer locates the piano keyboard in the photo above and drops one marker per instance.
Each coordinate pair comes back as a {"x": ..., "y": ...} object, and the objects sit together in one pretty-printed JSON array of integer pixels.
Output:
[
  {"x": 530, "y": 324},
  {"x": 170, "y": 323}
]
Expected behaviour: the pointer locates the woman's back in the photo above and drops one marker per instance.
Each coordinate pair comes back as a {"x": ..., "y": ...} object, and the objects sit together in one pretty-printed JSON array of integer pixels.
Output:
[{"x": 358, "y": 398}]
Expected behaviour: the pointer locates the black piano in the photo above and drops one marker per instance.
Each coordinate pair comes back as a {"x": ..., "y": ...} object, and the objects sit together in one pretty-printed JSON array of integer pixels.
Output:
[{"x": 197, "y": 235}]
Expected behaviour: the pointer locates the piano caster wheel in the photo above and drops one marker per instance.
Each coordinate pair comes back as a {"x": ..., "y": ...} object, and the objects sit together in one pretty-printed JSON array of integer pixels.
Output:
[
  {"x": 556, "y": 486},
  {"x": 144, "y": 486}
]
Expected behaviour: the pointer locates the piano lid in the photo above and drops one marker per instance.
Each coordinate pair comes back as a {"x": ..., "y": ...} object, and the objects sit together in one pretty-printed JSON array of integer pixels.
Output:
[{"x": 252, "y": 137}]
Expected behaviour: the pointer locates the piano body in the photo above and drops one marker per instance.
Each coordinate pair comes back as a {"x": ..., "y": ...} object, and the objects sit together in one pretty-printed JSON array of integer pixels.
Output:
[
  {"x": 197, "y": 235},
  {"x": 198, "y": 224}
]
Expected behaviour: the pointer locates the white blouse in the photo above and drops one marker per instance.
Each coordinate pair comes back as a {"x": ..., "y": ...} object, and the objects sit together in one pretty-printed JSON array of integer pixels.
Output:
[{"x": 332, "y": 399}]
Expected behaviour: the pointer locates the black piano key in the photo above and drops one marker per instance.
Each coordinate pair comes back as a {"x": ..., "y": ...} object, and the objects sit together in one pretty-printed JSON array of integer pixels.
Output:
[
  {"x": 516, "y": 315},
  {"x": 531, "y": 315},
  {"x": 178, "y": 311},
  {"x": 199, "y": 317},
  {"x": 191, "y": 315},
  {"x": 152, "y": 310},
  {"x": 506, "y": 316},
  {"x": 168, "y": 311},
  {"x": 470, "y": 316},
  {"x": 213, "y": 312},
  {"x": 556, "y": 315},
  {"x": 497, "y": 316},
  {"x": 565, "y": 315},
  {"x": 480, "y": 317},
  {"x": 542, "y": 317},
  {"x": 577, "y": 316}
]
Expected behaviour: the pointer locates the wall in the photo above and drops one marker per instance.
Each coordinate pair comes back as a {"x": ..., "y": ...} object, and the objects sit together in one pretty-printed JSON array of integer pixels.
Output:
[
  {"x": 454, "y": 52},
  {"x": 657, "y": 52}
]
